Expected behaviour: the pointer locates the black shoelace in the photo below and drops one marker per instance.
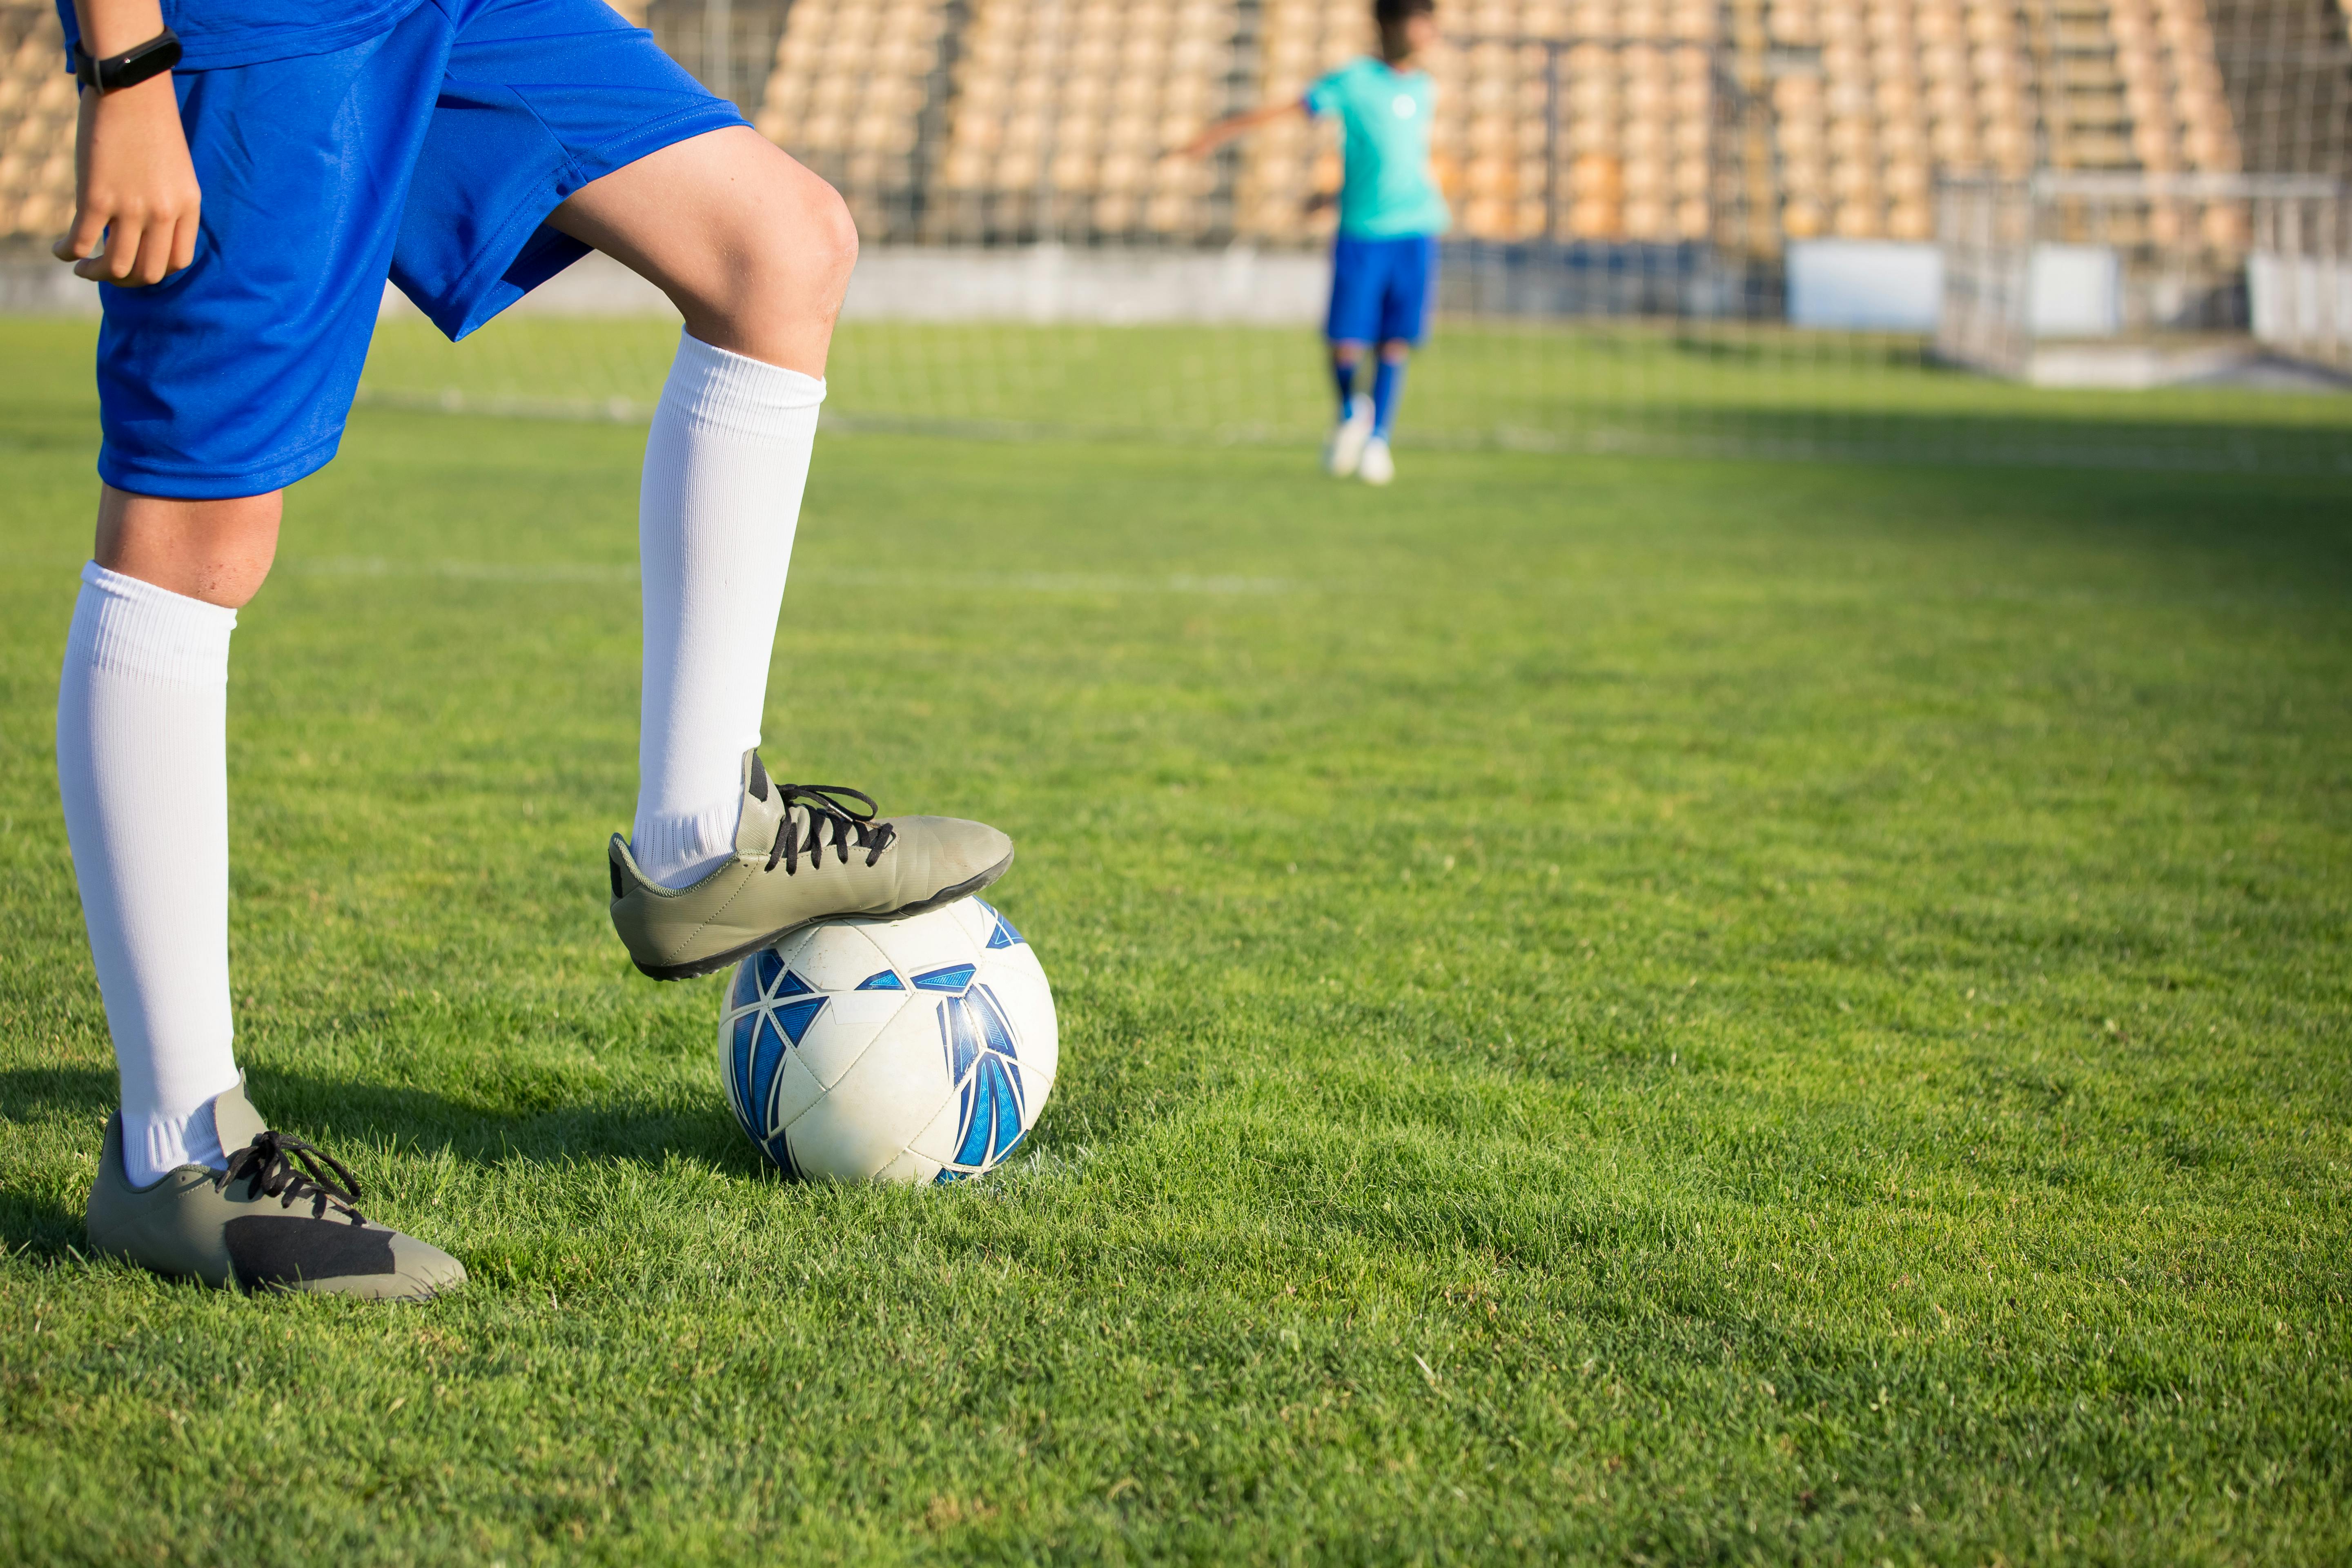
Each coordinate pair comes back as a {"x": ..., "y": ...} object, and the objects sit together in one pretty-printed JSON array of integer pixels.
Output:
[
  {"x": 833, "y": 822},
  {"x": 288, "y": 1169}
]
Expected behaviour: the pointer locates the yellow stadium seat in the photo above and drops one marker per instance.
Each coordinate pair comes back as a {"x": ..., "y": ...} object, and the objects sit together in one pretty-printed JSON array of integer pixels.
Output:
[
  {"x": 1014, "y": 169},
  {"x": 1857, "y": 220},
  {"x": 1648, "y": 218},
  {"x": 1853, "y": 182},
  {"x": 1649, "y": 178},
  {"x": 1910, "y": 220},
  {"x": 2224, "y": 227},
  {"x": 1596, "y": 177},
  {"x": 1593, "y": 218},
  {"x": 2154, "y": 145},
  {"x": 1805, "y": 183}
]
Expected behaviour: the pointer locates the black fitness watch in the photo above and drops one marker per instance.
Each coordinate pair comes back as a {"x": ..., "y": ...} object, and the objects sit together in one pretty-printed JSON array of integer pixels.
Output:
[{"x": 131, "y": 67}]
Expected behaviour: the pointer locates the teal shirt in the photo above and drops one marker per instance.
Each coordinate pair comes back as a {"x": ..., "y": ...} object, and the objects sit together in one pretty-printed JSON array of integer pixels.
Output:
[{"x": 1387, "y": 190}]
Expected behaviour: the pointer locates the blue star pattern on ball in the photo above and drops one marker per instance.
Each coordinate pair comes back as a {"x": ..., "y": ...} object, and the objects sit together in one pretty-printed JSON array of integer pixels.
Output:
[
  {"x": 981, "y": 1056},
  {"x": 1004, "y": 935},
  {"x": 778, "y": 1008}
]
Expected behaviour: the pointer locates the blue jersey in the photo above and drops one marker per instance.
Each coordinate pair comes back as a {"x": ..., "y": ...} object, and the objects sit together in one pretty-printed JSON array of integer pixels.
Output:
[{"x": 1387, "y": 190}]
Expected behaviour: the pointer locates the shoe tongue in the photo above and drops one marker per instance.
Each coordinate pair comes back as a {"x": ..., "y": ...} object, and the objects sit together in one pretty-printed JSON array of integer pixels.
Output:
[
  {"x": 762, "y": 809},
  {"x": 235, "y": 1121}
]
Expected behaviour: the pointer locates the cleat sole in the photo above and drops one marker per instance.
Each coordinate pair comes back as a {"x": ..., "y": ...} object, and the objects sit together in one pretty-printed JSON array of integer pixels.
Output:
[{"x": 696, "y": 968}]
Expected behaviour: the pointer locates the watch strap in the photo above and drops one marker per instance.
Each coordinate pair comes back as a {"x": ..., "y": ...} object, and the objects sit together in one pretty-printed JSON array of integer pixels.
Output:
[{"x": 129, "y": 68}]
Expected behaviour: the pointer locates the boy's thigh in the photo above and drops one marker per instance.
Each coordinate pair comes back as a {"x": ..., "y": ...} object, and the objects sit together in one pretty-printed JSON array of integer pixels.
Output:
[
  {"x": 541, "y": 98},
  {"x": 427, "y": 154}
]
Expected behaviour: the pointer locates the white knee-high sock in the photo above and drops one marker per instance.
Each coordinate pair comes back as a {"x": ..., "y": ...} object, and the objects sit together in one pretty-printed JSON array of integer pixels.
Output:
[
  {"x": 724, "y": 465},
  {"x": 142, "y": 764}
]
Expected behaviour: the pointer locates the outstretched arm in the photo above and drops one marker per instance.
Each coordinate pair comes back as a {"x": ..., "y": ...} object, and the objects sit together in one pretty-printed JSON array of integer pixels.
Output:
[
  {"x": 1233, "y": 125},
  {"x": 135, "y": 196}
]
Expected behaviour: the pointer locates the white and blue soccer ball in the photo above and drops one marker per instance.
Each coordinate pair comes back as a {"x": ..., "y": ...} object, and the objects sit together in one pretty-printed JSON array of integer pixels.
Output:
[{"x": 915, "y": 1050}]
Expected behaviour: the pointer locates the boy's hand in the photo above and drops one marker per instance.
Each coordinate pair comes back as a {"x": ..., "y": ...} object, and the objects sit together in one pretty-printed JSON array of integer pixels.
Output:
[{"x": 136, "y": 201}]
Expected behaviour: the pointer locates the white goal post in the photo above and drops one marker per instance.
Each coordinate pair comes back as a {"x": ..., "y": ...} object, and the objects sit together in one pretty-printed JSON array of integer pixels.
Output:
[{"x": 2139, "y": 279}]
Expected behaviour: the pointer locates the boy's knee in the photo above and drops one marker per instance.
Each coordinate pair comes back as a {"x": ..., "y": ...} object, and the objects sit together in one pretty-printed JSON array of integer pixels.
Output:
[
  {"x": 216, "y": 550},
  {"x": 788, "y": 256},
  {"x": 827, "y": 230},
  {"x": 797, "y": 241}
]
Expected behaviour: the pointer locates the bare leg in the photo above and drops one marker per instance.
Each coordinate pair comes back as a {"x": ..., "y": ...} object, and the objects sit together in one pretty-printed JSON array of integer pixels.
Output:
[
  {"x": 753, "y": 249},
  {"x": 215, "y": 550}
]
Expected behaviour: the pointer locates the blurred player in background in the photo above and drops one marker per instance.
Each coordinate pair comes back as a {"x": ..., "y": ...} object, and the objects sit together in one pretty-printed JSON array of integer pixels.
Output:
[
  {"x": 1384, "y": 263},
  {"x": 248, "y": 177}
]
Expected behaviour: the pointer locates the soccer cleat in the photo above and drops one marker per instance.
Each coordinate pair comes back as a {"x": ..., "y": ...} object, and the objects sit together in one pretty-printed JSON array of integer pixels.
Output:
[
  {"x": 1345, "y": 449},
  {"x": 1376, "y": 467},
  {"x": 803, "y": 853},
  {"x": 275, "y": 1220}
]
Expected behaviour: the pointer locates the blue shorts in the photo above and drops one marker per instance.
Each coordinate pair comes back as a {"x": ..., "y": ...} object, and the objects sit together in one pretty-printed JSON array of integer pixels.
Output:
[
  {"x": 1381, "y": 289},
  {"x": 429, "y": 154}
]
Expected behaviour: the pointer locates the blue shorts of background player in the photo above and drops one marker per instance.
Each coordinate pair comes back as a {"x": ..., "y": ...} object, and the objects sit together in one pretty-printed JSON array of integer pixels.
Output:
[
  {"x": 1381, "y": 289},
  {"x": 430, "y": 153}
]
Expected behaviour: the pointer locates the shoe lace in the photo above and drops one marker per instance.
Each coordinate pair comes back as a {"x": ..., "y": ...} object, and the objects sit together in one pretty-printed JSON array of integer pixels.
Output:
[
  {"x": 288, "y": 1169},
  {"x": 834, "y": 820}
]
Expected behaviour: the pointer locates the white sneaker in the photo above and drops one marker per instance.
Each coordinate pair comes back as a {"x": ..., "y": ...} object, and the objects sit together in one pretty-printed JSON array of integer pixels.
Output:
[
  {"x": 1375, "y": 466},
  {"x": 1345, "y": 449}
]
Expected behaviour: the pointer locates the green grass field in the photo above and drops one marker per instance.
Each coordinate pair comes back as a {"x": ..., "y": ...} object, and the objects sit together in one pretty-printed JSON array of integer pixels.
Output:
[{"x": 1614, "y": 1010}]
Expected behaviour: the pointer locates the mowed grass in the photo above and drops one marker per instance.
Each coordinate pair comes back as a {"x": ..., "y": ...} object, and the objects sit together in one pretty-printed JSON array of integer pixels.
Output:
[{"x": 1613, "y": 1010}]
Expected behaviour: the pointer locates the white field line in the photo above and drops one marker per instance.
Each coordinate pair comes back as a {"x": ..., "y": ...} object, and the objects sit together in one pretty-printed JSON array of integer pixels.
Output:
[
  {"x": 1759, "y": 590},
  {"x": 364, "y": 566},
  {"x": 461, "y": 571}
]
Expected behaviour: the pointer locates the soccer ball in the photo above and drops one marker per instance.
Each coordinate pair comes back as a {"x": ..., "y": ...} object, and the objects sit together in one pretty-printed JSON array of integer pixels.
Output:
[{"x": 890, "y": 1050}]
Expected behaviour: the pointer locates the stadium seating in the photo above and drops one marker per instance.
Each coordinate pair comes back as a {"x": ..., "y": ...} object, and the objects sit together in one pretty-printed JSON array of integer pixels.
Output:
[
  {"x": 1643, "y": 120},
  {"x": 848, "y": 94},
  {"x": 1598, "y": 120},
  {"x": 1901, "y": 91},
  {"x": 1873, "y": 99},
  {"x": 36, "y": 118},
  {"x": 1063, "y": 110}
]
